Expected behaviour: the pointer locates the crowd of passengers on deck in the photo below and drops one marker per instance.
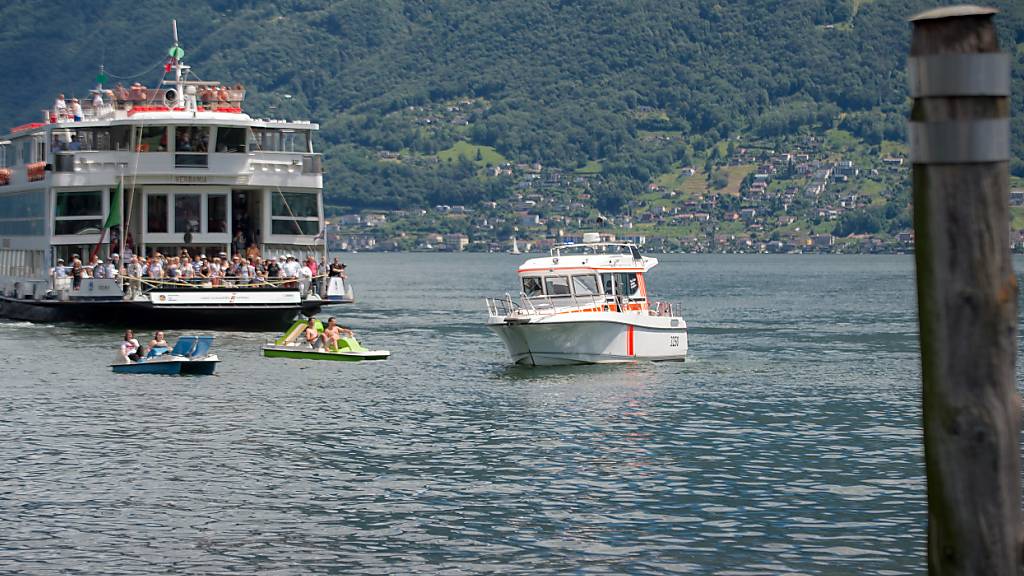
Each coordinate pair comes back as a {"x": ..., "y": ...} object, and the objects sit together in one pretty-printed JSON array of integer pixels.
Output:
[
  {"x": 121, "y": 98},
  {"x": 250, "y": 270}
]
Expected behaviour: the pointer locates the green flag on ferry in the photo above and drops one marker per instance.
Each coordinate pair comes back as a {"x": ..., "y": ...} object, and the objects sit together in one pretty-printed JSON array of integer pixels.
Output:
[{"x": 114, "y": 214}]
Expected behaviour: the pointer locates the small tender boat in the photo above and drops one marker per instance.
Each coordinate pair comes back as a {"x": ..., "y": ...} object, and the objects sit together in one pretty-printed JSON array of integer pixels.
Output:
[
  {"x": 190, "y": 355},
  {"x": 587, "y": 303},
  {"x": 289, "y": 345},
  {"x": 339, "y": 291}
]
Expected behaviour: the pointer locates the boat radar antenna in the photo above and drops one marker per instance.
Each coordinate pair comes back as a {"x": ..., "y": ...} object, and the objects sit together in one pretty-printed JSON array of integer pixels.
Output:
[{"x": 183, "y": 94}]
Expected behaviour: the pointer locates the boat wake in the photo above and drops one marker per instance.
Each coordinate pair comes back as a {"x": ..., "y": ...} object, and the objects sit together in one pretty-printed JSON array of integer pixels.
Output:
[{"x": 22, "y": 324}]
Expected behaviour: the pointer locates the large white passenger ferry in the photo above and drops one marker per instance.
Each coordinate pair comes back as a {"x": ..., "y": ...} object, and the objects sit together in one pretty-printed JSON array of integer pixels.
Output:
[
  {"x": 181, "y": 168},
  {"x": 587, "y": 303}
]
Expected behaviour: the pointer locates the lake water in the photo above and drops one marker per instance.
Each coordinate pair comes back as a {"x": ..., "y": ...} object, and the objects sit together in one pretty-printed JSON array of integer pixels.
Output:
[{"x": 788, "y": 442}]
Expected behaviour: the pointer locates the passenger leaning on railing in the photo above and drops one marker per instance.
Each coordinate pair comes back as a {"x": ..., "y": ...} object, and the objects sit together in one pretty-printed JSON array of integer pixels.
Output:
[
  {"x": 134, "y": 277},
  {"x": 114, "y": 267},
  {"x": 216, "y": 272},
  {"x": 184, "y": 269},
  {"x": 156, "y": 269},
  {"x": 204, "y": 270}
]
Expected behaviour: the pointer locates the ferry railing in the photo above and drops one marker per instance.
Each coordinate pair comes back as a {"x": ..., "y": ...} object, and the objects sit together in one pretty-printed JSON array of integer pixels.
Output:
[
  {"x": 226, "y": 281},
  {"x": 134, "y": 286}
]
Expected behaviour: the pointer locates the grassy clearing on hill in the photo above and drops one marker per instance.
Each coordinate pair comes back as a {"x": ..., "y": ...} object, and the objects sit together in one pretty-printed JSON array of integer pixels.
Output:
[
  {"x": 468, "y": 150},
  {"x": 872, "y": 189},
  {"x": 736, "y": 175},
  {"x": 591, "y": 167},
  {"x": 840, "y": 140},
  {"x": 892, "y": 148},
  {"x": 694, "y": 186}
]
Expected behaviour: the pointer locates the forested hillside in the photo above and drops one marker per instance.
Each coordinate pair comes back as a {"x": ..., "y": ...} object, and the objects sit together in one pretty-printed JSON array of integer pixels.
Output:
[{"x": 580, "y": 86}]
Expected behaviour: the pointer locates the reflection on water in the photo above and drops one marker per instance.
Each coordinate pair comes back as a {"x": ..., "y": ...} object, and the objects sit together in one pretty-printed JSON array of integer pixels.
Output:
[{"x": 788, "y": 441}]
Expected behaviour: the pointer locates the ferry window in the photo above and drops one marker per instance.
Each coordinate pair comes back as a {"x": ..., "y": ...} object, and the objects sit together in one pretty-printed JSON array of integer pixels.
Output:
[
  {"x": 71, "y": 140},
  {"x": 265, "y": 140},
  {"x": 191, "y": 139},
  {"x": 216, "y": 213},
  {"x": 295, "y": 213},
  {"x": 585, "y": 285},
  {"x": 116, "y": 138},
  {"x": 151, "y": 139},
  {"x": 606, "y": 282},
  {"x": 294, "y": 141},
  {"x": 295, "y": 227},
  {"x": 156, "y": 220},
  {"x": 70, "y": 227},
  {"x": 78, "y": 212},
  {"x": 79, "y": 203},
  {"x": 186, "y": 213},
  {"x": 275, "y": 140},
  {"x": 556, "y": 285},
  {"x": 230, "y": 139},
  {"x": 25, "y": 151},
  {"x": 298, "y": 204},
  {"x": 22, "y": 214},
  {"x": 532, "y": 286}
]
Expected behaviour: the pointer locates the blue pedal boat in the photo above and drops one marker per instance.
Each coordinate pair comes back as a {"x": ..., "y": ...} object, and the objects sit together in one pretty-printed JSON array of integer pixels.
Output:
[{"x": 190, "y": 355}]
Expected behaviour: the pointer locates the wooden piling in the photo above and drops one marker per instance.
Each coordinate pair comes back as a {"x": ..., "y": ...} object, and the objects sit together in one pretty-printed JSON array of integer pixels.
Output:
[{"x": 967, "y": 291}]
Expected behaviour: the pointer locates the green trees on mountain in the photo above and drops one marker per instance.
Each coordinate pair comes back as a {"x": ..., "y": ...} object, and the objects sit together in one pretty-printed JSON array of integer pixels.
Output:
[{"x": 562, "y": 82}]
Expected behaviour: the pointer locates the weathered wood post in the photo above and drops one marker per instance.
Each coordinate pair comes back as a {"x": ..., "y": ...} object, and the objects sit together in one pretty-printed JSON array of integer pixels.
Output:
[{"x": 966, "y": 291}]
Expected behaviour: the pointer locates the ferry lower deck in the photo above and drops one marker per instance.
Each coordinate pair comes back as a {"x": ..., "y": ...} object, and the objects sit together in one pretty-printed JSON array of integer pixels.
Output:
[{"x": 267, "y": 315}]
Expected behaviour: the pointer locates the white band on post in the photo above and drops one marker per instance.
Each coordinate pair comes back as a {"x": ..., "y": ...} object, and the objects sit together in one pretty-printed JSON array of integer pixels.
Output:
[
  {"x": 976, "y": 74},
  {"x": 960, "y": 142}
]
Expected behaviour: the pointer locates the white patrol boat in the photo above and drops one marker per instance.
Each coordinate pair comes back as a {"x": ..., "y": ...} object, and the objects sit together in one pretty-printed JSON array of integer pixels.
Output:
[
  {"x": 137, "y": 171},
  {"x": 587, "y": 303}
]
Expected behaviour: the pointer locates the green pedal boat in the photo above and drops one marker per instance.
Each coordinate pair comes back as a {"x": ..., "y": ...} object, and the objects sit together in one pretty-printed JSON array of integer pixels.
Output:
[{"x": 292, "y": 345}]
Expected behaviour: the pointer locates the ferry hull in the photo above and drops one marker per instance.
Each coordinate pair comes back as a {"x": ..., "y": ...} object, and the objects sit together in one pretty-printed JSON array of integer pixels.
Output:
[
  {"x": 141, "y": 314},
  {"x": 557, "y": 343}
]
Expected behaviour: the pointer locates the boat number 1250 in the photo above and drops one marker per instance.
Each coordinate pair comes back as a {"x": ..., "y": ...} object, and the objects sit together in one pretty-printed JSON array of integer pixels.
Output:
[{"x": 673, "y": 340}]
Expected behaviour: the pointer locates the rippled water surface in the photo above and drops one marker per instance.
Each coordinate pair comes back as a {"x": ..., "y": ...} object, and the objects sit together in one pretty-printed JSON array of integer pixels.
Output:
[{"x": 788, "y": 442}]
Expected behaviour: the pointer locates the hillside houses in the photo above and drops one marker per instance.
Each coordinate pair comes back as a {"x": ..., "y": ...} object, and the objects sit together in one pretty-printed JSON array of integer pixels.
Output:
[{"x": 789, "y": 196}]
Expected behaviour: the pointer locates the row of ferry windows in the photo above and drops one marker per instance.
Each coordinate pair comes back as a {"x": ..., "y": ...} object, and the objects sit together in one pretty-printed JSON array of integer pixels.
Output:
[
  {"x": 195, "y": 139},
  {"x": 81, "y": 212},
  {"x": 618, "y": 283},
  {"x": 185, "y": 139},
  {"x": 90, "y": 203}
]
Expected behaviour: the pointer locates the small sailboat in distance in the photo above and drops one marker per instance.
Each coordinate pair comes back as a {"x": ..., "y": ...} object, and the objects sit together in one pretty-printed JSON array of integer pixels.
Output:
[{"x": 515, "y": 246}]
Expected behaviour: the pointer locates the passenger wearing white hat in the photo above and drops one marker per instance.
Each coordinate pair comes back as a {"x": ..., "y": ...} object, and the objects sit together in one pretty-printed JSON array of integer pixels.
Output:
[
  {"x": 291, "y": 269},
  {"x": 76, "y": 110}
]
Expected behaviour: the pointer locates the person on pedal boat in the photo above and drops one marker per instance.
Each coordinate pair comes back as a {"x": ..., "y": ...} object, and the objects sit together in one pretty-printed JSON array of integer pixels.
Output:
[
  {"x": 131, "y": 351},
  {"x": 313, "y": 338},
  {"x": 333, "y": 333},
  {"x": 158, "y": 342}
]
